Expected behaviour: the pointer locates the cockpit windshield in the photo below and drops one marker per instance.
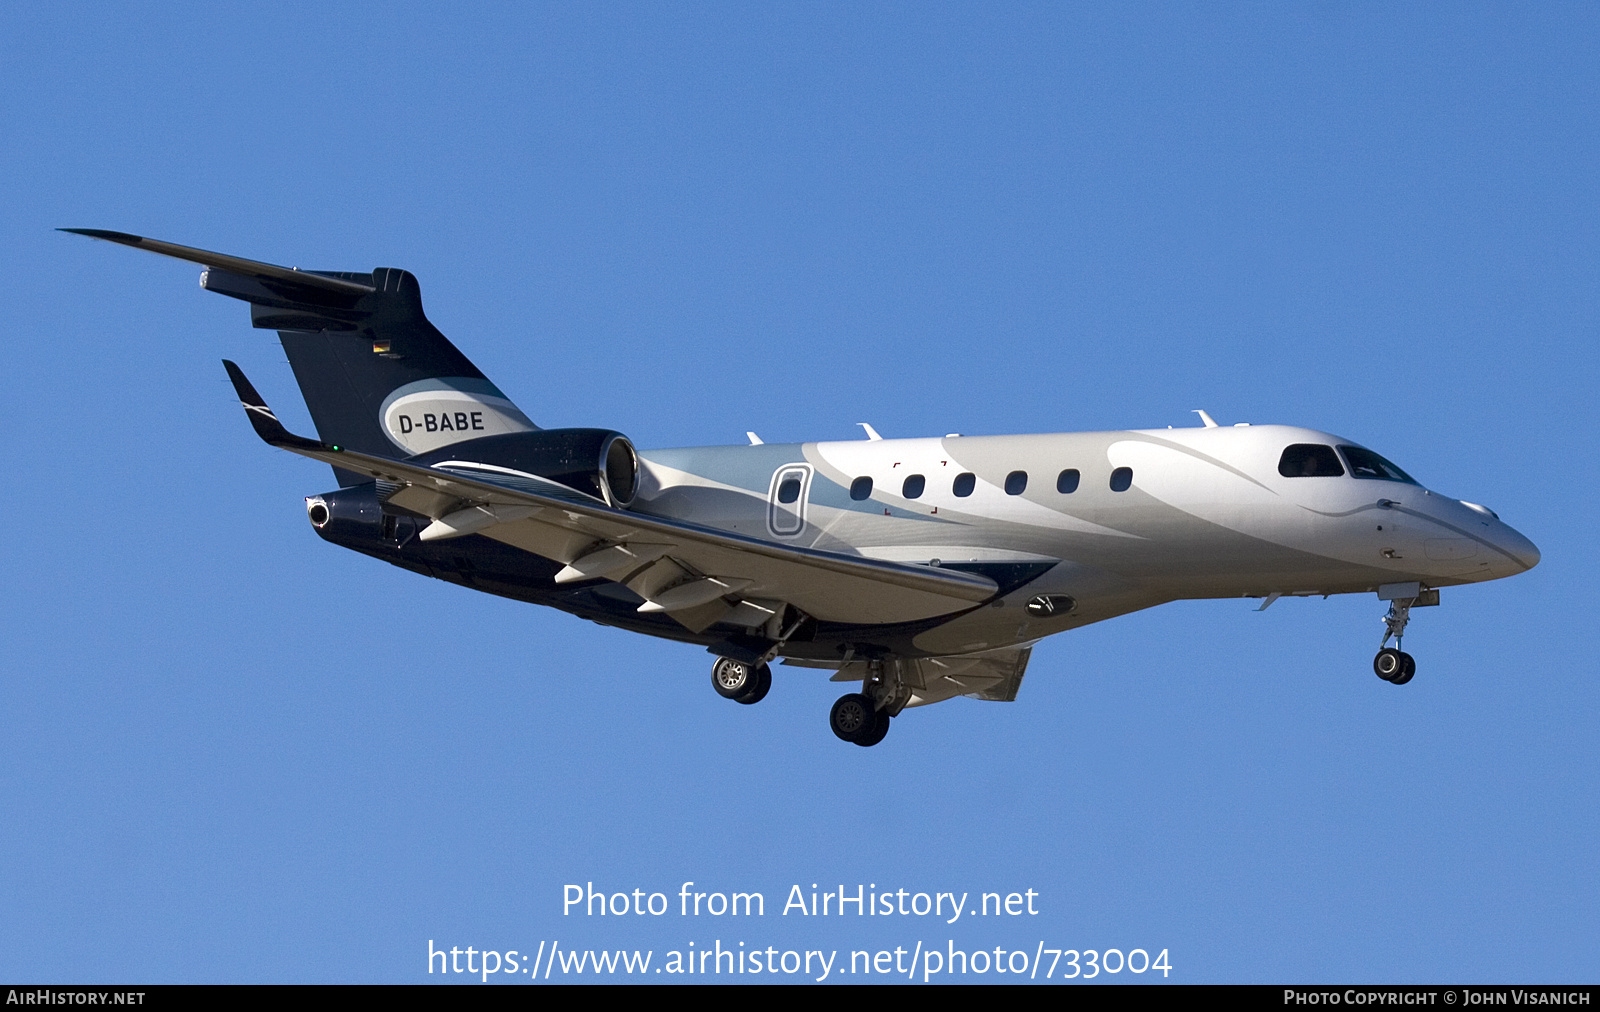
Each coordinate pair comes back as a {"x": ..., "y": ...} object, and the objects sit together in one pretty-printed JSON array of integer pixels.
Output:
[
  {"x": 1366, "y": 464},
  {"x": 1309, "y": 460}
]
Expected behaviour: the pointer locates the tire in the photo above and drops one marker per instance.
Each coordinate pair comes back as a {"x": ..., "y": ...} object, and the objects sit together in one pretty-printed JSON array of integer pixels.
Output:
[
  {"x": 763, "y": 685},
  {"x": 878, "y": 731},
  {"x": 853, "y": 717},
  {"x": 1389, "y": 664},
  {"x": 1408, "y": 670},
  {"x": 732, "y": 678}
]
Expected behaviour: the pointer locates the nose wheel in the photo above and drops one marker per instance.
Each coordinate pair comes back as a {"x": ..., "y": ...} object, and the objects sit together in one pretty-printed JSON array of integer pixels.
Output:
[
  {"x": 1395, "y": 666},
  {"x": 739, "y": 681}
]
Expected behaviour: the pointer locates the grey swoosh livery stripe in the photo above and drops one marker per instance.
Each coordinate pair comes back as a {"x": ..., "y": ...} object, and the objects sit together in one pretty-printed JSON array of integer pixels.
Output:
[
  {"x": 1447, "y": 525},
  {"x": 1156, "y": 440},
  {"x": 1450, "y": 526}
]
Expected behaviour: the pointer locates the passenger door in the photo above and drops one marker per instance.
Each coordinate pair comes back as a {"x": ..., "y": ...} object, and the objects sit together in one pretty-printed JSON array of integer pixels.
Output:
[{"x": 786, "y": 500}]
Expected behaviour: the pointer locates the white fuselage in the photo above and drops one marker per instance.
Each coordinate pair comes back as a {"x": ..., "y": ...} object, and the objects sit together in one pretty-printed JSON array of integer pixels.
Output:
[{"x": 1204, "y": 513}]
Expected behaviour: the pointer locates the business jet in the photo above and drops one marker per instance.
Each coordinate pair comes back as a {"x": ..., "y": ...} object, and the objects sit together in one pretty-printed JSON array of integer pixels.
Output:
[{"x": 923, "y": 569}]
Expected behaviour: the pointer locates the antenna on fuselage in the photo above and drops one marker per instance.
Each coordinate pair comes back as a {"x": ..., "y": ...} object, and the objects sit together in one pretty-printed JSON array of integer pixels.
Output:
[
  {"x": 872, "y": 434},
  {"x": 1210, "y": 422},
  {"x": 755, "y": 440}
]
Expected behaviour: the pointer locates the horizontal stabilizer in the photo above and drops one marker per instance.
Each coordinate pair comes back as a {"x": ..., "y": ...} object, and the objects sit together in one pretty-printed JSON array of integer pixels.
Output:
[{"x": 235, "y": 265}]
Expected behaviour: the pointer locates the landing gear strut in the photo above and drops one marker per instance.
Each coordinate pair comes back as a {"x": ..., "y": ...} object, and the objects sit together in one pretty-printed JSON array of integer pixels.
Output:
[
  {"x": 739, "y": 681},
  {"x": 744, "y": 682},
  {"x": 1393, "y": 664}
]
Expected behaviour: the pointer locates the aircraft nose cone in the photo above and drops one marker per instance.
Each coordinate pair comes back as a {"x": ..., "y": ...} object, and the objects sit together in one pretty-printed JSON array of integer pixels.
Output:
[{"x": 1524, "y": 551}]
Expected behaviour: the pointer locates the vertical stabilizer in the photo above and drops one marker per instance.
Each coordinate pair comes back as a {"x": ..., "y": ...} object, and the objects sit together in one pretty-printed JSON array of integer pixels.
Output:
[{"x": 376, "y": 375}]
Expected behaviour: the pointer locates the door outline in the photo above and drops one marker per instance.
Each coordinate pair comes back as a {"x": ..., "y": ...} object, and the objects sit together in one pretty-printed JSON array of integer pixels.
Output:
[{"x": 785, "y": 520}]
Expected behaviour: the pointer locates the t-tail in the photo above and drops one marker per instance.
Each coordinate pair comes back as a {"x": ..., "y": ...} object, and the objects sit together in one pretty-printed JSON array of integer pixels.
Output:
[{"x": 376, "y": 375}]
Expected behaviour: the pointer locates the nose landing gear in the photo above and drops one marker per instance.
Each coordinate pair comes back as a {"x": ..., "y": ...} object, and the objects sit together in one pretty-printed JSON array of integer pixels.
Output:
[{"x": 1393, "y": 664}]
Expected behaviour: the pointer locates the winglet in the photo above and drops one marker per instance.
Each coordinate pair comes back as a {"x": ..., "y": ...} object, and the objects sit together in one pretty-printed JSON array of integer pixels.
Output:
[{"x": 261, "y": 417}]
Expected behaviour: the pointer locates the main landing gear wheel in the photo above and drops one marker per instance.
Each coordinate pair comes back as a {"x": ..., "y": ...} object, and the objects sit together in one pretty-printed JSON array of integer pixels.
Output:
[
  {"x": 854, "y": 718},
  {"x": 878, "y": 731},
  {"x": 1394, "y": 666},
  {"x": 762, "y": 687},
  {"x": 741, "y": 682}
]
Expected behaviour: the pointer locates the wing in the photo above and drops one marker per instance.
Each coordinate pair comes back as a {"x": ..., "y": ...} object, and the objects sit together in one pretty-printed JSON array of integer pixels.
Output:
[{"x": 698, "y": 575}]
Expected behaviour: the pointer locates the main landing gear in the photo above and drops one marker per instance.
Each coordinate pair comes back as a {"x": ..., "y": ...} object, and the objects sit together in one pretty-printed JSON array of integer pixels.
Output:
[
  {"x": 746, "y": 682},
  {"x": 862, "y": 718},
  {"x": 739, "y": 681},
  {"x": 1393, "y": 664},
  {"x": 855, "y": 718}
]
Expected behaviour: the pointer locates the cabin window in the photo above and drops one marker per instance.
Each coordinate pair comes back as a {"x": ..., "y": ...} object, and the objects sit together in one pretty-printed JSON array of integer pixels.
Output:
[
  {"x": 789, "y": 491},
  {"x": 1366, "y": 464},
  {"x": 1309, "y": 460},
  {"x": 861, "y": 488},
  {"x": 964, "y": 484},
  {"x": 913, "y": 487},
  {"x": 1016, "y": 482},
  {"x": 1067, "y": 481},
  {"x": 1122, "y": 479}
]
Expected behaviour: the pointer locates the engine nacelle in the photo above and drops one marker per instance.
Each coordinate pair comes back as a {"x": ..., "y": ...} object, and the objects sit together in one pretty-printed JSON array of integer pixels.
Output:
[
  {"x": 599, "y": 462},
  {"x": 347, "y": 513}
]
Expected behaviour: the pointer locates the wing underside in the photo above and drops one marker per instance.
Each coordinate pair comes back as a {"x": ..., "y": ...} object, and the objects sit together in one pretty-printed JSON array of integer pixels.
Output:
[{"x": 992, "y": 675}]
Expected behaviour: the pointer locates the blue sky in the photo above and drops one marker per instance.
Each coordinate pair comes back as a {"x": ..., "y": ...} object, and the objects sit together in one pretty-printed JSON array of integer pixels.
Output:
[{"x": 235, "y": 753}]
